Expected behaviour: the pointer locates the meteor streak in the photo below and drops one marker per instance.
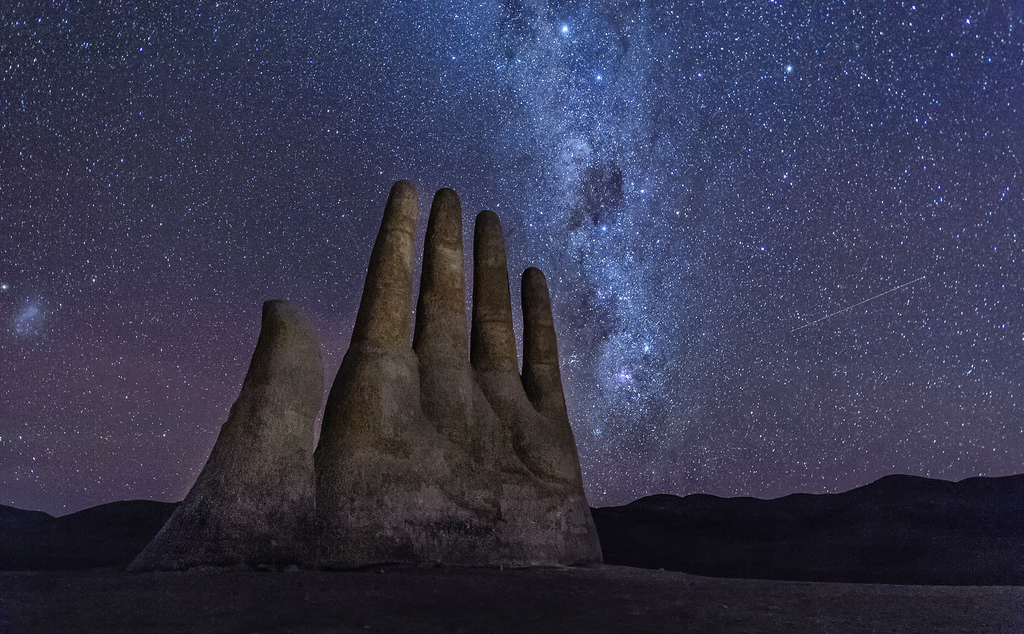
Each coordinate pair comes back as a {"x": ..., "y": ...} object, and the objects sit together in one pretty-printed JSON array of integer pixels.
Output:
[{"x": 891, "y": 290}]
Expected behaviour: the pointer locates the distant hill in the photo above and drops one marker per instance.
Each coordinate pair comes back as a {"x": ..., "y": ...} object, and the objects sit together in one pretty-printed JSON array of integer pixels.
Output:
[
  {"x": 900, "y": 529},
  {"x": 107, "y": 535}
]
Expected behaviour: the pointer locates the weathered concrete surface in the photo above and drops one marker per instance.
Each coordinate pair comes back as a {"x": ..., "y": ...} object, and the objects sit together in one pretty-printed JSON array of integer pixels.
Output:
[
  {"x": 253, "y": 502},
  {"x": 433, "y": 452}
]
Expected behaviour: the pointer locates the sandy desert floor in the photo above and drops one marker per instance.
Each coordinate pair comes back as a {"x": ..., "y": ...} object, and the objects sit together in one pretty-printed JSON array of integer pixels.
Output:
[{"x": 433, "y": 599}]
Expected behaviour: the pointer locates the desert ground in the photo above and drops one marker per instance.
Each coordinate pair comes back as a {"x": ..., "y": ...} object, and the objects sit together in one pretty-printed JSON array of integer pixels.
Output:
[{"x": 437, "y": 599}]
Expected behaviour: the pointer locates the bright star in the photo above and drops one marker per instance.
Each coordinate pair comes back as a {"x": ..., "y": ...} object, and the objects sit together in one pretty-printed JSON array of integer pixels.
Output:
[
  {"x": 789, "y": 68},
  {"x": 565, "y": 28}
]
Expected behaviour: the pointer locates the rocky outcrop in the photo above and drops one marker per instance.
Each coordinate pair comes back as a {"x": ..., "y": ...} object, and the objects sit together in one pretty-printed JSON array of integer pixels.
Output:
[
  {"x": 442, "y": 451},
  {"x": 253, "y": 502}
]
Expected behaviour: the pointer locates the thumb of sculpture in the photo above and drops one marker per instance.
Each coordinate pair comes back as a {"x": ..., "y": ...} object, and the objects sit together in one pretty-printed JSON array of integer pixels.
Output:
[{"x": 253, "y": 502}]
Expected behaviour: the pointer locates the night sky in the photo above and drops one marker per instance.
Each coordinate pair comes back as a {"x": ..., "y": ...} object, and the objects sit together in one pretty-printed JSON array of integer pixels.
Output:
[{"x": 784, "y": 240}]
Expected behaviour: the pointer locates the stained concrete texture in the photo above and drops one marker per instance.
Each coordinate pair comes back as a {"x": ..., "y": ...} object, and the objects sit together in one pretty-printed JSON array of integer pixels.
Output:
[
  {"x": 442, "y": 451},
  {"x": 253, "y": 502}
]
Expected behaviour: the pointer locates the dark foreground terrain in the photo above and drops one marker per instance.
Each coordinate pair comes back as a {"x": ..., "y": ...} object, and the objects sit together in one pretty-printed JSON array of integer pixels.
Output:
[
  {"x": 403, "y": 599},
  {"x": 101, "y": 536},
  {"x": 899, "y": 529},
  {"x": 65, "y": 574}
]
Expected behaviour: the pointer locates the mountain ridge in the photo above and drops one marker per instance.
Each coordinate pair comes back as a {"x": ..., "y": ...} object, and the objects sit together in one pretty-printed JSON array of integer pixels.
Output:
[{"x": 898, "y": 529}]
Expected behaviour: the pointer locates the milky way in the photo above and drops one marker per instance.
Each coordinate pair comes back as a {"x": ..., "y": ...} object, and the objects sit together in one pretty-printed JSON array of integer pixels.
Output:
[{"x": 782, "y": 240}]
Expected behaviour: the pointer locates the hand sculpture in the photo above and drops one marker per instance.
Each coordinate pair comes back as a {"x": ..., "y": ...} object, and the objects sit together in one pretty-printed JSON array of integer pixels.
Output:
[
  {"x": 433, "y": 452},
  {"x": 436, "y": 452}
]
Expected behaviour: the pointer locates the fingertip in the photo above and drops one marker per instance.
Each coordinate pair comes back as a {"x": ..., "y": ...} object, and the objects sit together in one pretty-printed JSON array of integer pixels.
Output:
[
  {"x": 403, "y": 201},
  {"x": 403, "y": 187},
  {"x": 487, "y": 219},
  {"x": 535, "y": 284}
]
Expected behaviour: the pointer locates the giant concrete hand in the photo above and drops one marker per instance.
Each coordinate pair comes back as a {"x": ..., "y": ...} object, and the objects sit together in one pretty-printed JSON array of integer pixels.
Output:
[{"x": 442, "y": 451}]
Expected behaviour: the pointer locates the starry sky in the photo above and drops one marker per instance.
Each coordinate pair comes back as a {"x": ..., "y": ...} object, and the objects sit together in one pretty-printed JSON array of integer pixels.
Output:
[{"x": 783, "y": 239}]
